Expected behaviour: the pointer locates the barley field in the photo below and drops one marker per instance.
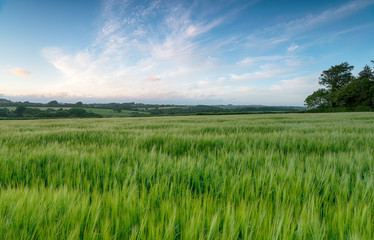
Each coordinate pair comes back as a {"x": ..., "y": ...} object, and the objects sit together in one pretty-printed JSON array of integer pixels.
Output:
[{"x": 276, "y": 176}]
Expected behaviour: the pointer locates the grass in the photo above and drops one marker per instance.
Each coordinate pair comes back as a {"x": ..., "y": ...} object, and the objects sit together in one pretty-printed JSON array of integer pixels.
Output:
[{"x": 281, "y": 176}]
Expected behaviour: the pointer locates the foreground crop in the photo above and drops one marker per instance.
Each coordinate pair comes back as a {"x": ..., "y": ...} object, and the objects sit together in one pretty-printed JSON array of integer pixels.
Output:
[{"x": 290, "y": 176}]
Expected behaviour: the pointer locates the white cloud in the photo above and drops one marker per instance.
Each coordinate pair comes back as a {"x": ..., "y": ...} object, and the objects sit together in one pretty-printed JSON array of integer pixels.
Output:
[{"x": 292, "y": 48}]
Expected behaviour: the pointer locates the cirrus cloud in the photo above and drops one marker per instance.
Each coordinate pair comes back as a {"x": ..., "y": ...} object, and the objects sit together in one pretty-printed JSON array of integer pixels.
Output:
[{"x": 168, "y": 50}]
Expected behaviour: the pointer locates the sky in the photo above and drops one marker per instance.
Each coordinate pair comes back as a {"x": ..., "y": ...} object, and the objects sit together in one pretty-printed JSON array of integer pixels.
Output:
[{"x": 178, "y": 52}]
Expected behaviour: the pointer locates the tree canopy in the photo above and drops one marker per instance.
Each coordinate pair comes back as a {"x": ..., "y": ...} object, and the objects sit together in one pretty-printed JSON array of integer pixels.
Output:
[{"x": 342, "y": 90}]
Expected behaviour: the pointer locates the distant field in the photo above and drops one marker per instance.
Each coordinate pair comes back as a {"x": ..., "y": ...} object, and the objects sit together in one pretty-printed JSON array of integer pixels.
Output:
[
  {"x": 111, "y": 113},
  {"x": 171, "y": 107},
  {"x": 275, "y": 176}
]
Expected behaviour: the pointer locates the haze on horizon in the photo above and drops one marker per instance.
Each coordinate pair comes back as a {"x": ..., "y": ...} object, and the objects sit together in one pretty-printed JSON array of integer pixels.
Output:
[{"x": 179, "y": 52}]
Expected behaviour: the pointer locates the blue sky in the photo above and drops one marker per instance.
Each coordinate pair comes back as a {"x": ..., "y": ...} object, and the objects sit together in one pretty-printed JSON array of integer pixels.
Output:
[{"x": 181, "y": 52}]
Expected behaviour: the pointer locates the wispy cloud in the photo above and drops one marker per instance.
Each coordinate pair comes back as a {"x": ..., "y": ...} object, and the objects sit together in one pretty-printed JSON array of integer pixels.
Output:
[
  {"x": 19, "y": 72},
  {"x": 270, "y": 36},
  {"x": 327, "y": 16},
  {"x": 261, "y": 59},
  {"x": 161, "y": 49},
  {"x": 138, "y": 42},
  {"x": 293, "y": 47}
]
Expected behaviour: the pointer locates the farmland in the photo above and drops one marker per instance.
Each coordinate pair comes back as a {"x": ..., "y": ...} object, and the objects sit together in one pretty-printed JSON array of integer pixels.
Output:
[{"x": 273, "y": 176}]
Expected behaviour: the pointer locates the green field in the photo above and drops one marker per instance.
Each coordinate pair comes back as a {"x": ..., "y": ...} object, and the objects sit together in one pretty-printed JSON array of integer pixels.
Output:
[
  {"x": 110, "y": 113},
  {"x": 276, "y": 176}
]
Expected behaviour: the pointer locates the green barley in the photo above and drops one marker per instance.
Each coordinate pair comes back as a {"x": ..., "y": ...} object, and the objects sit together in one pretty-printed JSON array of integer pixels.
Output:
[{"x": 280, "y": 176}]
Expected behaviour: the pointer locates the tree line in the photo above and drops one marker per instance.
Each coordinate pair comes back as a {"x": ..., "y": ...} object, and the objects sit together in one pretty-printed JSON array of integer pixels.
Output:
[
  {"x": 30, "y": 113},
  {"x": 54, "y": 109},
  {"x": 343, "y": 91}
]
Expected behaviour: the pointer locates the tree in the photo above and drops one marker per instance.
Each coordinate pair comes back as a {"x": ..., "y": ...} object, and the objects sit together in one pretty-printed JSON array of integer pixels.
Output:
[
  {"x": 53, "y": 103},
  {"x": 117, "y": 109},
  {"x": 365, "y": 87},
  {"x": 4, "y": 112},
  {"x": 334, "y": 79},
  {"x": 342, "y": 89},
  {"x": 319, "y": 99},
  {"x": 367, "y": 73},
  {"x": 77, "y": 112},
  {"x": 336, "y": 76},
  {"x": 360, "y": 91},
  {"x": 20, "y": 109}
]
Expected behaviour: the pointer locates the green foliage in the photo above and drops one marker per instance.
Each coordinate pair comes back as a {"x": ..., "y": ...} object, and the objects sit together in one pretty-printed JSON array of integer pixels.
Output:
[
  {"x": 319, "y": 98},
  {"x": 336, "y": 76},
  {"x": 343, "y": 90},
  {"x": 117, "y": 109},
  {"x": 53, "y": 103},
  {"x": 35, "y": 113},
  {"x": 77, "y": 112},
  {"x": 4, "y": 112},
  {"x": 20, "y": 109},
  {"x": 289, "y": 176}
]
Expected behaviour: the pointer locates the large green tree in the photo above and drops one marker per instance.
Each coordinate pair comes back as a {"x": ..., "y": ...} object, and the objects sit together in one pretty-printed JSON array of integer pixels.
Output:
[
  {"x": 336, "y": 76},
  {"x": 334, "y": 79},
  {"x": 342, "y": 89}
]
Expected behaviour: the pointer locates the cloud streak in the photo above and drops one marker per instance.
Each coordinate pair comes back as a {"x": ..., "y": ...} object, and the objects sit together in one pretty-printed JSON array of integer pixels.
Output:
[
  {"x": 274, "y": 35},
  {"x": 19, "y": 72}
]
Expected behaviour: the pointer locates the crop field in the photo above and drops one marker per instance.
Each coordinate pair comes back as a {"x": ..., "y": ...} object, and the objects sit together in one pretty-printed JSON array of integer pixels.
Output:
[{"x": 273, "y": 176}]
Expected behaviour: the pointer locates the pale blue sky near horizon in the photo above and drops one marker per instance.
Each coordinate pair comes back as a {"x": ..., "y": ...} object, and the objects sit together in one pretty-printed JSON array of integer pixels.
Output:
[{"x": 178, "y": 52}]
